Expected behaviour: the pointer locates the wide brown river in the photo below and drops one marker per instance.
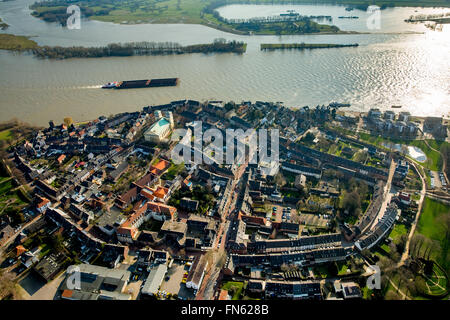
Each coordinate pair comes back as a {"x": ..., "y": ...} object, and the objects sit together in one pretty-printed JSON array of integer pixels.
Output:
[{"x": 412, "y": 70}]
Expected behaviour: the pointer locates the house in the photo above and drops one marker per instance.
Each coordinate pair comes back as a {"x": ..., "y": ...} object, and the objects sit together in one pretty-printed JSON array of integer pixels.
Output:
[
  {"x": 253, "y": 220},
  {"x": 50, "y": 266},
  {"x": 236, "y": 237},
  {"x": 61, "y": 158},
  {"x": 144, "y": 258},
  {"x": 176, "y": 230},
  {"x": 296, "y": 290},
  {"x": 19, "y": 250},
  {"x": 256, "y": 286},
  {"x": 30, "y": 258},
  {"x": 289, "y": 228},
  {"x": 405, "y": 198},
  {"x": 349, "y": 290},
  {"x": 300, "y": 181},
  {"x": 160, "y": 167},
  {"x": 113, "y": 254},
  {"x": 160, "y": 256},
  {"x": 42, "y": 204}
]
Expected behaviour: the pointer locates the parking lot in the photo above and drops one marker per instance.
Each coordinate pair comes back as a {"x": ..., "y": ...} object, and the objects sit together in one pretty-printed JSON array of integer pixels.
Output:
[
  {"x": 173, "y": 283},
  {"x": 280, "y": 213}
]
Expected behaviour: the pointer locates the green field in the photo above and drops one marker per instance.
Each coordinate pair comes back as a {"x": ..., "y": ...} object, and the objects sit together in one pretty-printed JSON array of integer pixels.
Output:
[
  {"x": 431, "y": 225},
  {"x": 17, "y": 43}
]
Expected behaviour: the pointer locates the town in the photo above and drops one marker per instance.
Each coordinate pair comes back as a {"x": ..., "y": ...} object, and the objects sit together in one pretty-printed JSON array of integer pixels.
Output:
[{"x": 353, "y": 197}]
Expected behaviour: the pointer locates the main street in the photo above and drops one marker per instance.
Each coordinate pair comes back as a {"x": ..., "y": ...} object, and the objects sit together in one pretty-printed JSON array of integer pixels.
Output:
[
  {"x": 208, "y": 286},
  {"x": 387, "y": 195}
]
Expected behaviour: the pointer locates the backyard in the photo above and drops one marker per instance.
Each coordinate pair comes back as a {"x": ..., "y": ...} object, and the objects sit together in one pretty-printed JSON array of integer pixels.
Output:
[{"x": 234, "y": 289}]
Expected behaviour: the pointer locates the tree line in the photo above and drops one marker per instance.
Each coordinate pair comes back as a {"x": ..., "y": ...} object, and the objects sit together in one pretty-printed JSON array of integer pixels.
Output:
[{"x": 138, "y": 49}]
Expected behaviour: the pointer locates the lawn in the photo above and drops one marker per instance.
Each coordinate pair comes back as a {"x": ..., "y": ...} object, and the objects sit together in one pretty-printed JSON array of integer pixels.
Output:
[
  {"x": 342, "y": 268},
  {"x": 234, "y": 288},
  {"x": 437, "y": 283},
  {"x": 397, "y": 232},
  {"x": 173, "y": 171},
  {"x": 431, "y": 226}
]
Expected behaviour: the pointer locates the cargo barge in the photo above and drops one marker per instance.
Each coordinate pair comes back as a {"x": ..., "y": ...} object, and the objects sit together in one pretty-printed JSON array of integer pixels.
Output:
[{"x": 149, "y": 83}]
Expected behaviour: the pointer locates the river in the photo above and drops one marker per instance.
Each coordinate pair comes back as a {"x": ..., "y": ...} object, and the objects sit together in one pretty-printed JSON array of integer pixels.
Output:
[{"x": 412, "y": 70}]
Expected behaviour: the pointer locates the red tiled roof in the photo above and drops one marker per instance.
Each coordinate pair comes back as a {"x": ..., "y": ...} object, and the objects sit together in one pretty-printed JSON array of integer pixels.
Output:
[
  {"x": 223, "y": 295},
  {"x": 159, "y": 167},
  {"x": 61, "y": 158},
  {"x": 253, "y": 219},
  {"x": 161, "y": 192},
  {"x": 67, "y": 293},
  {"x": 42, "y": 203},
  {"x": 20, "y": 249}
]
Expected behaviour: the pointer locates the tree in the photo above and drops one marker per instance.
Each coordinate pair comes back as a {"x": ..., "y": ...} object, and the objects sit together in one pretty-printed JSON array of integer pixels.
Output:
[
  {"x": 392, "y": 295},
  {"x": 8, "y": 286},
  {"x": 279, "y": 179},
  {"x": 352, "y": 202},
  {"x": 68, "y": 121},
  {"x": 57, "y": 242}
]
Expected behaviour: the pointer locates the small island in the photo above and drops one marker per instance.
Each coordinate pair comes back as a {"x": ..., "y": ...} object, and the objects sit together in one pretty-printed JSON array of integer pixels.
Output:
[
  {"x": 23, "y": 43},
  {"x": 301, "y": 46}
]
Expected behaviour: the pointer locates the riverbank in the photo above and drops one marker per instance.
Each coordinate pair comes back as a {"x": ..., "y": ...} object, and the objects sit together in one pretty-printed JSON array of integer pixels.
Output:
[{"x": 300, "y": 46}]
